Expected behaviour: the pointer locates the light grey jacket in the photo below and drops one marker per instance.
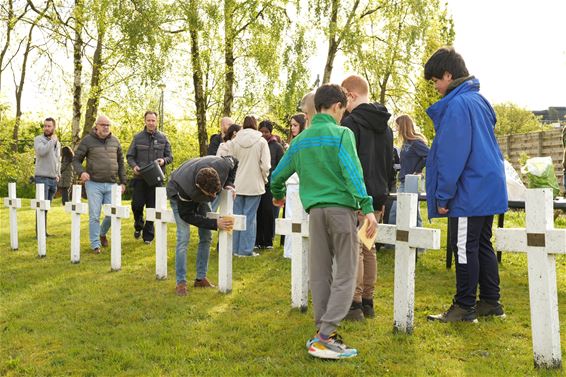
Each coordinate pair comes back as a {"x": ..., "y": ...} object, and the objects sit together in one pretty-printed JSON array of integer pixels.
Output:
[{"x": 47, "y": 157}]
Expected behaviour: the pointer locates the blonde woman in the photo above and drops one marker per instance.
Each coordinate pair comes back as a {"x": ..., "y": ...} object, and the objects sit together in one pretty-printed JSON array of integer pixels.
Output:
[{"x": 412, "y": 157}]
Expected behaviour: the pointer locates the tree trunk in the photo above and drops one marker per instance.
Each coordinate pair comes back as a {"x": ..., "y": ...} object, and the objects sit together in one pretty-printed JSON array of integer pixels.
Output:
[
  {"x": 228, "y": 58},
  {"x": 77, "y": 73},
  {"x": 94, "y": 95},
  {"x": 332, "y": 41},
  {"x": 200, "y": 99},
  {"x": 9, "y": 27},
  {"x": 20, "y": 89}
]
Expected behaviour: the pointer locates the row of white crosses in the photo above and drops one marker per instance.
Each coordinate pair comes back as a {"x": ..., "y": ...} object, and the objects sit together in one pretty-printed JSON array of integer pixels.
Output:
[{"x": 539, "y": 240}]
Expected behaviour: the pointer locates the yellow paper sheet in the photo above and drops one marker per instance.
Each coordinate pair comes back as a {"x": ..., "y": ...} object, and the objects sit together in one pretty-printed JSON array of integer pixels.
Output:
[{"x": 367, "y": 242}]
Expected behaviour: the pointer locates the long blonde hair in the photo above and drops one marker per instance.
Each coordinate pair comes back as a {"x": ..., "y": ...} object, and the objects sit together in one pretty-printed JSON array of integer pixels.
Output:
[{"x": 406, "y": 129}]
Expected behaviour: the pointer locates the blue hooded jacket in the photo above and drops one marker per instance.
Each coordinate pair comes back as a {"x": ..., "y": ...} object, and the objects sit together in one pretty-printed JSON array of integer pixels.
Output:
[{"x": 464, "y": 168}]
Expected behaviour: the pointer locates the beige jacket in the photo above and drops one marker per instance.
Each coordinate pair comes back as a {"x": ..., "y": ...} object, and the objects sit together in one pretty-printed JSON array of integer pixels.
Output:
[{"x": 252, "y": 152}]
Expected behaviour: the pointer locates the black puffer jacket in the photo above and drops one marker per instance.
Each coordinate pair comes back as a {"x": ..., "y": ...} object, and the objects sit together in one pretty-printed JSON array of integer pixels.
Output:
[
  {"x": 191, "y": 201},
  {"x": 374, "y": 143},
  {"x": 147, "y": 147}
]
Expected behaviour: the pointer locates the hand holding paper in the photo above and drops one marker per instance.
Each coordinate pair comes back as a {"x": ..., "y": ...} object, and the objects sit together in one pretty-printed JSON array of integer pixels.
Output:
[{"x": 368, "y": 231}]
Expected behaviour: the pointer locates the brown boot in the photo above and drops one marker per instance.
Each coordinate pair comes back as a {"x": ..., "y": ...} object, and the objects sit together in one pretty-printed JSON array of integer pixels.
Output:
[
  {"x": 203, "y": 283},
  {"x": 181, "y": 289},
  {"x": 103, "y": 241}
]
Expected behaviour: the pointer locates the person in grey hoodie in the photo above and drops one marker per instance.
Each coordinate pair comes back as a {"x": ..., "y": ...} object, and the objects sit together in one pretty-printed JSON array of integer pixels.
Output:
[
  {"x": 47, "y": 160},
  {"x": 252, "y": 152}
]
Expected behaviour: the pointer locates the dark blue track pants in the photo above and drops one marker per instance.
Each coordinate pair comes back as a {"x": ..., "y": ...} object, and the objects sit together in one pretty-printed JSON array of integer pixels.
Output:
[{"x": 476, "y": 262}]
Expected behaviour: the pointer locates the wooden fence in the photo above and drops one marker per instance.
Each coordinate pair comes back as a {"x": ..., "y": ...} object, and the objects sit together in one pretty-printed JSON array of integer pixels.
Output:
[{"x": 534, "y": 144}]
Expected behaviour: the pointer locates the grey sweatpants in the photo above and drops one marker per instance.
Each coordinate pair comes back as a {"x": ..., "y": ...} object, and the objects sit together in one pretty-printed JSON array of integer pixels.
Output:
[{"x": 333, "y": 236}]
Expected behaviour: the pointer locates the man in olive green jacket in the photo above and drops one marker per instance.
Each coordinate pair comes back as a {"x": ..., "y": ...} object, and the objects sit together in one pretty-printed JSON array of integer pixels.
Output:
[{"x": 104, "y": 168}]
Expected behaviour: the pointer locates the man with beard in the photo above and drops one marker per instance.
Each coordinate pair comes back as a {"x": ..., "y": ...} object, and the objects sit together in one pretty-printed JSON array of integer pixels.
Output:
[
  {"x": 147, "y": 146},
  {"x": 47, "y": 160}
]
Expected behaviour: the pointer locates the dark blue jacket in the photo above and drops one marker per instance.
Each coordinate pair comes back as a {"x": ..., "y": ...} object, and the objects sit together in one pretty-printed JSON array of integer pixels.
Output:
[
  {"x": 412, "y": 158},
  {"x": 464, "y": 168}
]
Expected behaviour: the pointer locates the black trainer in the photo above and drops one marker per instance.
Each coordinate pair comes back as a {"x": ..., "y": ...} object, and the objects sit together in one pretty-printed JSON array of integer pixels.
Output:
[
  {"x": 487, "y": 309},
  {"x": 456, "y": 313},
  {"x": 355, "y": 313},
  {"x": 367, "y": 307},
  {"x": 137, "y": 234}
]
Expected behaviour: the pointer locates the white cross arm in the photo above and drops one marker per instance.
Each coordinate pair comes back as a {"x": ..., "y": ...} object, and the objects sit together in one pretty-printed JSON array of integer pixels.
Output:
[
  {"x": 121, "y": 212},
  {"x": 287, "y": 227},
  {"x": 239, "y": 220},
  {"x": 165, "y": 216},
  {"x": 416, "y": 237},
  {"x": 44, "y": 205},
  {"x": 516, "y": 239},
  {"x": 80, "y": 208},
  {"x": 13, "y": 203}
]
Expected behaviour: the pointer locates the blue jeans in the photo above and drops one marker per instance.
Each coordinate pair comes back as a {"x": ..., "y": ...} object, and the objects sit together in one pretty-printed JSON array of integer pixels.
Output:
[
  {"x": 183, "y": 236},
  {"x": 98, "y": 193},
  {"x": 49, "y": 186},
  {"x": 244, "y": 241},
  {"x": 393, "y": 212}
]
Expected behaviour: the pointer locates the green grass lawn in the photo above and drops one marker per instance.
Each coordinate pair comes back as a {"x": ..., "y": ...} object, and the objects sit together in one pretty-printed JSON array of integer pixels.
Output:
[{"x": 58, "y": 319}]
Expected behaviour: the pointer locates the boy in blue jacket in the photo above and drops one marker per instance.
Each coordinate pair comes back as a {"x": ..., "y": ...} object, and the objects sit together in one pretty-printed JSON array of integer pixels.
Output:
[{"x": 465, "y": 182}]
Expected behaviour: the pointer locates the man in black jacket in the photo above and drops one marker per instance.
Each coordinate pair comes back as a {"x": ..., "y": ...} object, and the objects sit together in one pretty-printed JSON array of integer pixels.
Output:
[
  {"x": 147, "y": 146},
  {"x": 374, "y": 143},
  {"x": 217, "y": 139},
  {"x": 191, "y": 189}
]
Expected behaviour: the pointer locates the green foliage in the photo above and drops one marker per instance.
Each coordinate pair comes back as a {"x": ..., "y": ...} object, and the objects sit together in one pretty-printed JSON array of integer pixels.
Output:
[{"x": 513, "y": 119}]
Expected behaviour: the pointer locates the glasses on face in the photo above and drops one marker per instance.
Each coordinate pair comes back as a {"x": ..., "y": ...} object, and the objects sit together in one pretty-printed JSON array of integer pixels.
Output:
[{"x": 106, "y": 125}]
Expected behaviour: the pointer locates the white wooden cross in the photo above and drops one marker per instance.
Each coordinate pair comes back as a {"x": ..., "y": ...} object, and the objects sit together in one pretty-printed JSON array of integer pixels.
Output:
[
  {"x": 541, "y": 242},
  {"x": 160, "y": 216},
  {"x": 13, "y": 204},
  {"x": 225, "y": 240},
  {"x": 407, "y": 237},
  {"x": 76, "y": 209},
  {"x": 41, "y": 206},
  {"x": 298, "y": 229},
  {"x": 117, "y": 212}
]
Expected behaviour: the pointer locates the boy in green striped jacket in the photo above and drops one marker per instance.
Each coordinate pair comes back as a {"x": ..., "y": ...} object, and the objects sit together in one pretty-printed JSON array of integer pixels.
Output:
[{"x": 332, "y": 190}]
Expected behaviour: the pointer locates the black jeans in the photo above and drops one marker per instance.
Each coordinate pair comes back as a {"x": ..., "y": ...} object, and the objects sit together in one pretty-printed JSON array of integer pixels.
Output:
[
  {"x": 143, "y": 195},
  {"x": 265, "y": 220}
]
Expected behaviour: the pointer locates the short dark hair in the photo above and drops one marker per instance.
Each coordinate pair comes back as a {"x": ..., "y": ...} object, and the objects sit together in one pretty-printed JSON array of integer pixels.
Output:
[
  {"x": 445, "y": 59},
  {"x": 266, "y": 124},
  {"x": 329, "y": 94},
  {"x": 49, "y": 119},
  {"x": 231, "y": 131},
  {"x": 250, "y": 122},
  {"x": 149, "y": 112},
  {"x": 208, "y": 180}
]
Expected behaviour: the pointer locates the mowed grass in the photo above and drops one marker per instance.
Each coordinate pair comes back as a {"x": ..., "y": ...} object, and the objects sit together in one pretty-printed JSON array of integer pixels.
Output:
[{"x": 57, "y": 318}]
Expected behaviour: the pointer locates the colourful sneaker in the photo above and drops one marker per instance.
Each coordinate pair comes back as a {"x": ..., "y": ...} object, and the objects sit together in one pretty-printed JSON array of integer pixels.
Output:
[{"x": 333, "y": 348}]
